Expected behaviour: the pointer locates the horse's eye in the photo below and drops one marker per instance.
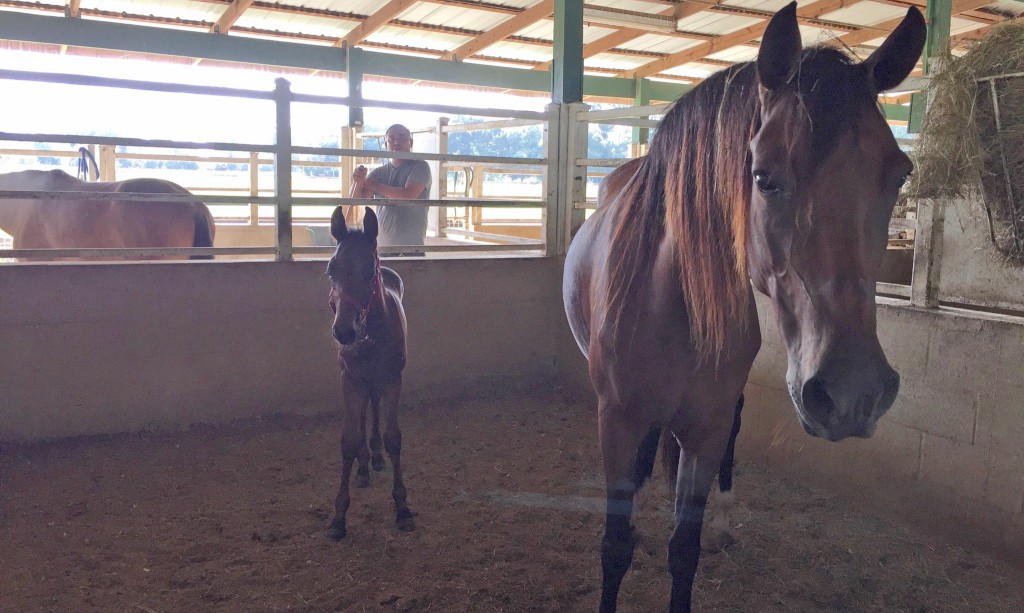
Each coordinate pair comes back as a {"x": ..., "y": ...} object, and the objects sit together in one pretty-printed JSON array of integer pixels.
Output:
[{"x": 765, "y": 184}]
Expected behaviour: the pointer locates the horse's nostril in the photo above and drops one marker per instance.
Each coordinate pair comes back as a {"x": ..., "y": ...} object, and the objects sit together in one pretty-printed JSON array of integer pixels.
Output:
[{"x": 345, "y": 337}]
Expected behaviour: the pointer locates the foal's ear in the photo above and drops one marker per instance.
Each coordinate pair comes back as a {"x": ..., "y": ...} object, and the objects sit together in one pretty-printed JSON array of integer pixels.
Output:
[
  {"x": 370, "y": 224},
  {"x": 779, "y": 55},
  {"x": 338, "y": 228},
  {"x": 893, "y": 61}
]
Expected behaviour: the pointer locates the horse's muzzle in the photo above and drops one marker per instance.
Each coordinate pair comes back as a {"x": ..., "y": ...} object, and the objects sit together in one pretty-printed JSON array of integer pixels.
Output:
[{"x": 838, "y": 409}]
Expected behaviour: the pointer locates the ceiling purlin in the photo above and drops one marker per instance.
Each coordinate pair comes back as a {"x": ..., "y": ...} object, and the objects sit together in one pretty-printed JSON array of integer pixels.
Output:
[
  {"x": 374, "y": 22},
  {"x": 881, "y": 29},
  {"x": 230, "y": 16},
  {"x": 503, "y": 30},
  {"x": 727, "y": 41}
]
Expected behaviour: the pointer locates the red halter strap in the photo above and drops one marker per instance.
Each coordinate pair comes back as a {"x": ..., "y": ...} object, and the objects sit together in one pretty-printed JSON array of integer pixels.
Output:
[{"x": 362, "y": 309}]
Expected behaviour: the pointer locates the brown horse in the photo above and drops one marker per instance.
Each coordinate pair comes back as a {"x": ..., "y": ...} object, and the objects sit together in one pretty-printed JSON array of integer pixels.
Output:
[
  {"x": 369, "y": 324},
  {"x": 782, "y": 172},
  {"x": 85, "y": 224}
]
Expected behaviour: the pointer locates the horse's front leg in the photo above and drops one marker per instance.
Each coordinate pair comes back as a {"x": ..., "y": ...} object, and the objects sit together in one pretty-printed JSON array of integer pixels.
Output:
[
  {"x": 620, "y": 439},
  {"x": 393, "y": 445},
  {"x": 717, "y": 537},
  {"x": 698, "y": 463},
  {"x": 354, "y": 400}
]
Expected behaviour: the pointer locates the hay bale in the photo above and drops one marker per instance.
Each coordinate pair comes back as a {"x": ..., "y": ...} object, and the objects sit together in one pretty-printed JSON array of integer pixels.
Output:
[{"x": 961, "y": 153}]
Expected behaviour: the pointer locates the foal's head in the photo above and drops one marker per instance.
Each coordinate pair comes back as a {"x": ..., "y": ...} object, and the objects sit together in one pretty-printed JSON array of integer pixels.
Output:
[
  {"x": 826, "y": 172},
  {"x": 354, "y": 271}
]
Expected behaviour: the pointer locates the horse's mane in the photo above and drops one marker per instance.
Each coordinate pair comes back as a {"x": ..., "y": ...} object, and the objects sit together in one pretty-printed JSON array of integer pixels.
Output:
[{"x": 695, "y": 182}]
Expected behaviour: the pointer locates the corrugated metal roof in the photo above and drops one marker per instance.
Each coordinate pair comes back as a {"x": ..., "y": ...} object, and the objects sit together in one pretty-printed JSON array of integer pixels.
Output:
[{"x": 435, "y": 28}]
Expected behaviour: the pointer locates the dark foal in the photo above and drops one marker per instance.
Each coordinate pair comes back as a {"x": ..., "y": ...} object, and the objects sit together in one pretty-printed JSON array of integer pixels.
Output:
[
  {"x": 779, "y": 174},
  {"x": 369, "y": 325}
]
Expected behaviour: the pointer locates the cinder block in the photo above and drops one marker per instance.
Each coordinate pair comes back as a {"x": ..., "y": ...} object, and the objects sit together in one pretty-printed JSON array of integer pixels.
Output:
[
  {"x": 956, "y": 357},
  {"x": 766, "y": 413},
  {"x": 889, "y": 459},
  {"x": 946, "y": 411},
  {"x": 1004, "y": 484},
  {"x": 1001, "y": 419},
  {"x": 904, "y": 335},
  {"x": 769, "y": 369},
  {"x": 954, "y": 468}
]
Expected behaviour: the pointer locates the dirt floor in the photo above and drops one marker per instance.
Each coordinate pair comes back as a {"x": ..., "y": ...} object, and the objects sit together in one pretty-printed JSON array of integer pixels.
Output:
[{"x": 508, "y": 499}]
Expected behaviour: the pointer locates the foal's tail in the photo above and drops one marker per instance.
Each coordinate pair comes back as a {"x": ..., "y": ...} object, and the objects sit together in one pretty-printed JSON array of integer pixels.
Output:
[{"x": 204, "y": 230}]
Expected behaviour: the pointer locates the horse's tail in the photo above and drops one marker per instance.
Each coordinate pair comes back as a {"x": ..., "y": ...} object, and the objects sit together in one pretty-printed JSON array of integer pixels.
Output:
[{"x": 204, "y": 230}]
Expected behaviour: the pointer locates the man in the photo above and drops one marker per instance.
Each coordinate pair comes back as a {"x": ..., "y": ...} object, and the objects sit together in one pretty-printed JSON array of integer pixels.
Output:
[{"x": 400, "y": 179}]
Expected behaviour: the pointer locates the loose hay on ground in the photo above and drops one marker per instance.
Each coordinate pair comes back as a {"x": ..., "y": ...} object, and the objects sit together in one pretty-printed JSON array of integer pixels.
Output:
[{"x": 508, "y": 496}]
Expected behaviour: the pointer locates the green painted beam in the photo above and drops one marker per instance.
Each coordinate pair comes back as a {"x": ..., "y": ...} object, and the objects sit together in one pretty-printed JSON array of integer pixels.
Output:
[
  {"x": 938, "y": 14},
  {"x": 354, "y": 80},
  {"x": 641, "y": 97},
  {"x": 567, "y": 52}
]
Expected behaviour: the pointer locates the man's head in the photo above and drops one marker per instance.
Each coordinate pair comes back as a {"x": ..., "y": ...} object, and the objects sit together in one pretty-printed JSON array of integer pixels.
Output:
[{"x": 398, "y": 138}]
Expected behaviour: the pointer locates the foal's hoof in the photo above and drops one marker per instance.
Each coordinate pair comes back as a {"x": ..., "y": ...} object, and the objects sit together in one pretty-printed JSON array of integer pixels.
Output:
[
  {"x": 363, "y": 477},
  {"x": 405, "y": 521},
  {"x": 336, "y": 531},
  {"x": 377, "y": 464}
]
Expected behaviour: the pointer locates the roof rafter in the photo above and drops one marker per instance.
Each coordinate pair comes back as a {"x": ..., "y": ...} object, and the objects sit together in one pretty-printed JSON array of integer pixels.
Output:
[
  {"x": 882, "y": 29},
  {"x": 503, "y": 30},
  {"x": 73, "y": 8},
  {"x": 375, "y": 21},
  {"x": 230, "y": 16}
]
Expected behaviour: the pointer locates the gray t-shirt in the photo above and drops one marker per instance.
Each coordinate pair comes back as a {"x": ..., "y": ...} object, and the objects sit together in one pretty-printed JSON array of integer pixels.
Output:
[{"x": 402, "y": 225}]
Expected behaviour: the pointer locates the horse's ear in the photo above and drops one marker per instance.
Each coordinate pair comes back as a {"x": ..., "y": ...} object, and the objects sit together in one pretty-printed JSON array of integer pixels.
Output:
[
  {"x": 338, "y": 228},
  {"x": 370, "y": 224},
  {"x": 779, "y": 55},
  {"x": 893, "y": 61}
]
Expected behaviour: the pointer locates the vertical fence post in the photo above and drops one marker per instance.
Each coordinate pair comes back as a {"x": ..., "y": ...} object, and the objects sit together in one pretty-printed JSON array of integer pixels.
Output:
[
  {"x": 556, "y": 144},
  {"x": 924, "y": 282},
  {"x": 576, "y": 176},
  {"x": 254, "y": 188},
  {"x": 442, "y": 176},
  {"x": 108, "y": 163},
  {"x": 283, "y": 169}
]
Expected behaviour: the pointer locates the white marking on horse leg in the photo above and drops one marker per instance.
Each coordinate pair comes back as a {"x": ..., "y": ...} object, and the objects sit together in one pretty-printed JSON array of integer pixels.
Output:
[{"x": 718, "y": 536}]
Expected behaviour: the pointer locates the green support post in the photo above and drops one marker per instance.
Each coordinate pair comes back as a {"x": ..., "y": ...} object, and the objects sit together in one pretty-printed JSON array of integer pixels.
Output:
[
  {"x": 567, "y": 64},
  {"x": 938, "y": 14}
]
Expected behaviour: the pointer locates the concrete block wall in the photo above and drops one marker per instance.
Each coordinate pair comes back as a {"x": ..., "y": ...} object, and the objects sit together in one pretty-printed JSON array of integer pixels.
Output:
[
  {"x": 107, "y": 348},
  {"x": 949, "y": 454}
]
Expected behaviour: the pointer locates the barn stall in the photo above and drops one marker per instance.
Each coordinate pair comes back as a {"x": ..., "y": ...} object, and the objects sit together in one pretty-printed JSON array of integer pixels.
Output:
[{"x": 171, "y": 442}]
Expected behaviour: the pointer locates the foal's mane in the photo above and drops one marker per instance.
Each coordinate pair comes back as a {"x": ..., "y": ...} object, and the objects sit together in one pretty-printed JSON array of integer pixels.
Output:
[{"x": 695, "y": 182}]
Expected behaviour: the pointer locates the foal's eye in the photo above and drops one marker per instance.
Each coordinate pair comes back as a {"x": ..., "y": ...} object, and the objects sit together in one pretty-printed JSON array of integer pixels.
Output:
[{"x": 765, "y": 184}]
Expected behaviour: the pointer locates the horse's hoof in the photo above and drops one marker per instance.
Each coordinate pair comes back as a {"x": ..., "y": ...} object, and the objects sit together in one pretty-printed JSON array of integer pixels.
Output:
[
  {"x": 405, "y": 521},
  {"x": 377, "y": 464},
  {"x": 337, "y": 531}
]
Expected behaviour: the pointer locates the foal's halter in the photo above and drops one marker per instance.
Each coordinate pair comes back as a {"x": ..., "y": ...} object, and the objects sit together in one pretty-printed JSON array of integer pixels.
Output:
[{"x": 362, "y": 309}]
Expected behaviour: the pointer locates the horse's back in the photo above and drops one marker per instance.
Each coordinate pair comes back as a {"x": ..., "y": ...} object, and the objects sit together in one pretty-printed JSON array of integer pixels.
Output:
[
  {"x": 586, "y": 259},
  {"x": 392, "y": 281}
]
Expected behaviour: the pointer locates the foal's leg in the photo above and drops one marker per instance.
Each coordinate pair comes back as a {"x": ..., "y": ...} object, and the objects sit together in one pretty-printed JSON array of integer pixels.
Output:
[
  {"x": 376, "y": 457},
  {"x": 363, "y": 457},
  {"x": 696, "y": 472},
  {"x": 620, "y": 443},
  {"x": 353, "y": 404},
  {"x": 718, "y": 536},
  {"x": 393, "y": 445}
]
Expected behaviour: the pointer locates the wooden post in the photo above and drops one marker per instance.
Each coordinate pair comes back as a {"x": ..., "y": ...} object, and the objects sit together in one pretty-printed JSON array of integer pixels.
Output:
[
  {"x": 440, "y": 212},
  {"x": 254, "y": 188},
  {"x": 283, "y": 169}
]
